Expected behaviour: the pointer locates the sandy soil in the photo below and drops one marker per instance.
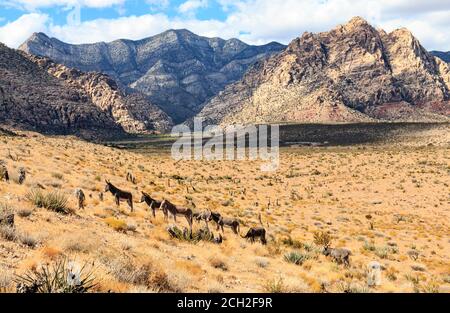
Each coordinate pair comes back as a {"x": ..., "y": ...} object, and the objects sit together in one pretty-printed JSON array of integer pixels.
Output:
[{"x": 388, "y": 203}]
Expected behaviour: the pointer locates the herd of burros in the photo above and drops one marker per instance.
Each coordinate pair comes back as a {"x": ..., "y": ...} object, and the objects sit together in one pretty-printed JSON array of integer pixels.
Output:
[
  {"x": 339, "y": 255},
  {"x": 167, "y": 207}
]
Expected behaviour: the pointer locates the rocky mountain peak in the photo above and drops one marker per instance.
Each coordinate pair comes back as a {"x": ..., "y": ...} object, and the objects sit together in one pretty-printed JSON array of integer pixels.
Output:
[
  {"x": 351, "y": 73},
  {"x": 355, "y": 24}
]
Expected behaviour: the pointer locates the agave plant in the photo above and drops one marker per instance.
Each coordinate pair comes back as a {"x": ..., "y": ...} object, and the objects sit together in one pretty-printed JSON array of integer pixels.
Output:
[{"x": 60, "y": 277}]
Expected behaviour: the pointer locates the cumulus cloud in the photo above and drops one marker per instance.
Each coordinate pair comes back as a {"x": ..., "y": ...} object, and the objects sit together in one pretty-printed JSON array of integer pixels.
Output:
[
  {"x": 14, "y": 33},
  {"x": 253, "y": 21},
  {"x": 191, "y": 6},
  {"x": 32, "y": 5}
]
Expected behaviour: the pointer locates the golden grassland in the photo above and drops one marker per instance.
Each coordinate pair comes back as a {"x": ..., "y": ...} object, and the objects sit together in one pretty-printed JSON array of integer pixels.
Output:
[{"x": 404, "y": 189}]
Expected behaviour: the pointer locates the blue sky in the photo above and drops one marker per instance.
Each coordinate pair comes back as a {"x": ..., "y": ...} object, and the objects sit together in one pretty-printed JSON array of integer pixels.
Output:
[{"x": 253, "y": 21}]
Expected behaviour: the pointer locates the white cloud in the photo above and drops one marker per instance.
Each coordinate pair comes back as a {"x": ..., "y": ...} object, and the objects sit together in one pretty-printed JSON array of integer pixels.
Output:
[
  {"x": 253, "y": 21},
  {"x": 191, "y": 6},
  {"x": 32, "y": 5},
  {"x": 14, "y": 33},
  {"x": 158, "y": 4}
]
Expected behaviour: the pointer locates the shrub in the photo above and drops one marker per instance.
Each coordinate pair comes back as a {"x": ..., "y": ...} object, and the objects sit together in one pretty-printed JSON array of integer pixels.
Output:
[
  {"x": 262, "y": 262},
  {"x": 24, "y": 212},
  {"x": 218, "y": 263},
  {"x": 346, "y": 287},
  {"x": 275, "y": 285},
  {"x": 56, "y": 201},
  {"x": 57, "y": 176},
  {"x": 8, "y": 232},
  {"x": 11, "y": 234},
  {"x": 53, "y": 201},
  {"x": 292, "y": 243},
  {"x": 296, "y": 257},
  {"x": 322, "y": 238},
  {"x": 60, "y": 277},
  {"x": 116, "y": 224}
]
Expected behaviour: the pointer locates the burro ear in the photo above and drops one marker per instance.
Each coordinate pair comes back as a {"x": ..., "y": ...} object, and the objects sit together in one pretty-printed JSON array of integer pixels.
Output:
[{"x": 143, "y": 193}]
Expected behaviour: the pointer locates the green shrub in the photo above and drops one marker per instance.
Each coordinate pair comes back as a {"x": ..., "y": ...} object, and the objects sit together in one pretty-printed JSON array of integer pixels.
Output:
[{"x": 296, "y": 257}]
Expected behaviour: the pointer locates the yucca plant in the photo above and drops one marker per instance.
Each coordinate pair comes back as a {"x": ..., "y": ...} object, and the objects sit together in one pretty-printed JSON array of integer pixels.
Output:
[
  {"x": 296, "y": 257},
  {"x": 60, "y": 277},
  {"x": 53, "y": 201}
]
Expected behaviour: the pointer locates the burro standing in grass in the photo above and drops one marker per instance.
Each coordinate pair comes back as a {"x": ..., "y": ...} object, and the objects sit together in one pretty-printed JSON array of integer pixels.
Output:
[
  {"x": 4, "y": 175},
  {"x": 22, "y": 175},
  {"x": 167, "y": 207},
  {"x": 79, "y": 194},
  {"x": 256, "y": 232},
  {"x": 119, "y": 195}
]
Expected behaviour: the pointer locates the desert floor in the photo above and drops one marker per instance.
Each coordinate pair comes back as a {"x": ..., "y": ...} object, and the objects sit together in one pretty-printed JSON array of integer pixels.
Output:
[{"x": 386, "y": 202}]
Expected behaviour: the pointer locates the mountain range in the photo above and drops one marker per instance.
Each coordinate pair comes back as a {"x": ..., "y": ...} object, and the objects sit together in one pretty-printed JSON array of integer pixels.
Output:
[
  {"x": 178, "y": 70},
  {"x": 353, "y": 73},
  {"x": 445, "y": 56}
]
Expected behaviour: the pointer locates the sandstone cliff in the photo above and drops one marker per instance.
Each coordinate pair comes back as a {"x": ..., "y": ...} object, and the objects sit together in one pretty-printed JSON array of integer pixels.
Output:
[{"x": 352, "y": 73}]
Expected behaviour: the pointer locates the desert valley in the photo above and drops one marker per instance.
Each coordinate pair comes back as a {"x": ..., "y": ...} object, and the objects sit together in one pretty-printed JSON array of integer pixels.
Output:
[{"x": 364, "y": 164}]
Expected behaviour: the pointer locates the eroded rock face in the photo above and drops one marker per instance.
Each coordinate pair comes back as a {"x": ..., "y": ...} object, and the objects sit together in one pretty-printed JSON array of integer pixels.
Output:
[
  {"x": 30, "y": 98},
  {"x": 133, "y": 112},
  {"x": 37, "y": 94},
  {"x": 352, "y": 73},
  {"x": 178, "y": 70}
]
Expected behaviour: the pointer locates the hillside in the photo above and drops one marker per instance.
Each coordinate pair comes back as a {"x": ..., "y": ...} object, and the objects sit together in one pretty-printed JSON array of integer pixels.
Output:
[
  {"x": 445, "y": 56},
  {"x": 353, "y": 73},
  {"x": 30, "y": 98},
  {"x": 37, "y": 94},
  {"x": 385, "y": 203},
  {"x": 177, "y": 69}
]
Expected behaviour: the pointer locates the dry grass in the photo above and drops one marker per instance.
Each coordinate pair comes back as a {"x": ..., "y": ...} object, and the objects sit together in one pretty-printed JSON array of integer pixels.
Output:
[{"x": 318, "y": 196}]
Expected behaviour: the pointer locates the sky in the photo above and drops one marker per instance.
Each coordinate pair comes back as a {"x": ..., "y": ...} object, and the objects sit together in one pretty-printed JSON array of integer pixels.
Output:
[{"x": 253, "y": 21}]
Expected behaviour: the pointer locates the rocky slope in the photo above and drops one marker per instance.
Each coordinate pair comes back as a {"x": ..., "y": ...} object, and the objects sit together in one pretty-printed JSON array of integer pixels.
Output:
[
  {"x": 132, "y": 111},
  {"x": 177, "y": 69},
  {"x": 38, "y": 94},
  {"x": 352, "y": 73},
  {"x": 445, "y": 56}
]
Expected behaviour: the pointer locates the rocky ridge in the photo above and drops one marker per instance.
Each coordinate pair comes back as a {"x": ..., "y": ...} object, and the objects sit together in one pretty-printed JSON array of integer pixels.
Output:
[
  {"x": 353, "y": 73},
  {"x": 178, "y": 70}
]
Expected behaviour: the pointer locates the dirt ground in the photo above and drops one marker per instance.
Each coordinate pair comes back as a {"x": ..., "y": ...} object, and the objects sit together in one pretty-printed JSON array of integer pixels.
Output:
[{"x": 388, "y": 203}]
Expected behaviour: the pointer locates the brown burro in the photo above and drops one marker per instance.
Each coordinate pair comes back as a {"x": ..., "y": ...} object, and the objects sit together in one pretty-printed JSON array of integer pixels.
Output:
[
  {"x": 119, "y": 195},
  {"x": 227, "y": 222},
  {"x": 167, "y": 207},
  {"x": 256, "y": 232}
]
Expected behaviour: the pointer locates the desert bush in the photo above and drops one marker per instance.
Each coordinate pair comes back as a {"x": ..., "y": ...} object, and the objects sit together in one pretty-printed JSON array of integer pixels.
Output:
[
  {"x": 28, "y": 240},
  {"x": 275, "y": 285},
  {"x": 6, "y": 281},
  {"x": 60, "y": 277},
  {"x": 116, "y": 224},
  {"x": 57, "y": 176},
  {"x": 292, "y": 243},
  {"x": 369, "y": 246},
  {"x": 262, "y": 262},
  {"x": 322, "y": 238},
  {"x": 347, "y": 287},
  {"x": 194, "y": 237},
  {"x": 24, "y": 212},
  {"x": 296, "y": 257},
  {"x": 53, "y": 201},
  {"x": 8, "y": 232},
  {"x": 218, "y": 263},
  {"x": 144, "y": 275}
]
